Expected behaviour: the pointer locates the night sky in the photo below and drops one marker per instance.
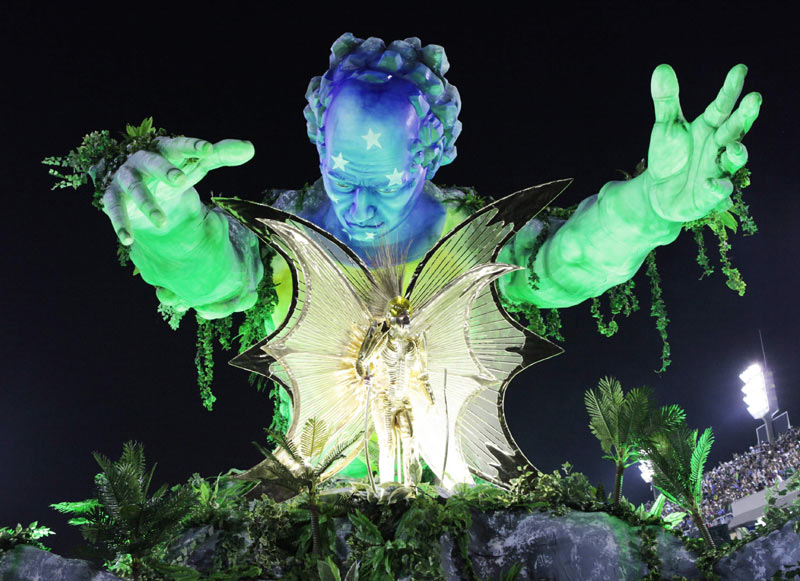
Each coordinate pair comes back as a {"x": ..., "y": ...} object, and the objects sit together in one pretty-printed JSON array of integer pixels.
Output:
[{"x": 87, "y": 361}]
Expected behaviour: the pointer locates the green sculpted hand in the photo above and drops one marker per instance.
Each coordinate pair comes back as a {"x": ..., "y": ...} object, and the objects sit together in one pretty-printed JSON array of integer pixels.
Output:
[
  {"x": 148, "y": 190},
  {"x": 689, "y": 164},
  {"x": 608, "y": 237},
  {"x": 195, "y": 257}
]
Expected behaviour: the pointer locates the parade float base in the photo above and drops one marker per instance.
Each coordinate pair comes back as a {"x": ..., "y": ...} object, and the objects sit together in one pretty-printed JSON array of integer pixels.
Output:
[{"x": 585, "y": 546}]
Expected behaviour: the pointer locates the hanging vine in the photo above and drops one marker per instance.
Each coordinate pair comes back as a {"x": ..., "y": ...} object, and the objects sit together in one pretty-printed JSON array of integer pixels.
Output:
[
  {"x": 658, "y": 309},
  {"x": 252, "y": 327},
  {"x": 719, "y": 222}
]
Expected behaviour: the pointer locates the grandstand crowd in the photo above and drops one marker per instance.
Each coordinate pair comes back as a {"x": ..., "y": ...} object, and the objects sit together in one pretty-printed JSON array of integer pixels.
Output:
[{"x": 758, "y": 468}]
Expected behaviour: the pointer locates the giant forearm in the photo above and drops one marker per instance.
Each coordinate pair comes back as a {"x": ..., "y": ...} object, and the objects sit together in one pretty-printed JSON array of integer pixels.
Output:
[
  {"x": 602, "y": 245},
  {"x": 200, "y": 258}
]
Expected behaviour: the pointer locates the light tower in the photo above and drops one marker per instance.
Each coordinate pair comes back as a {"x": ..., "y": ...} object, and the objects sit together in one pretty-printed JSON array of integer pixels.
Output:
[
  {"x": 646, "y": 470},
  {"x": 759, "y": 395}
]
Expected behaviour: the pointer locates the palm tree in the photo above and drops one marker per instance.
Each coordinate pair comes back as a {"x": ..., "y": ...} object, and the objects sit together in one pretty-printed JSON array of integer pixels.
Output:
[
  {"x": 302, "y": 474},
  {"x": 125, "y": 520},
  {"x": 679, "y": 458},
  {"x": 622, "y": 421}
]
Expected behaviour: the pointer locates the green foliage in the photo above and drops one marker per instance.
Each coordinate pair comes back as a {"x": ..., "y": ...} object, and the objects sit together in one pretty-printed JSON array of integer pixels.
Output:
[
  {"x": 171, "y": 315},
  {"x": 252, "y": 327},
  {"x": 19, "y": 535},
  {"x": 776, "y": 516},
  {"x": 207, "y": 332},
  {"x": 678, "y": 458},
  {"x": 622, "y": 420},
  {"x": 402, "y": 539},
  {"x": 269, "y": 525},
  {"x": 328, "y": 571},
  {"x": 301, "y": 469},
  {"x": 658, "y": 309},
  {"x": 719, "y": 222},
  {"x": 127, "y": 520},
  {"x": 172, "y": 572},
  {"x": 82, "y": 508},
  {"x": 621, "y": 300},
  {"x": 217, "y": 503},
  {"x": 99, "y": 156},
  {"x": 470, "y": 202}
]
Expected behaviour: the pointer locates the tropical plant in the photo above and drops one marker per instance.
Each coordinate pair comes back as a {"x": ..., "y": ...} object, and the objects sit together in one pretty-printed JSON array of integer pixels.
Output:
[
  {"x": 217, "y": 502},
  {"x": 19, "y": 535},
  {"x": 124, "y": 520},
  {"x": 303, "y": 471},
  {"x": 621, "y": 421},
  {"x": 671, "y": 520},
  {"x": 678, "y": 457},
  {"x": 328, "y": 571}
]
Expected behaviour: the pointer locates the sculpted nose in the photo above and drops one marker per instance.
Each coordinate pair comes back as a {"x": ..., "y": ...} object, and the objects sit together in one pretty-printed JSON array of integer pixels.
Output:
[{"x": 361, "y": 211}]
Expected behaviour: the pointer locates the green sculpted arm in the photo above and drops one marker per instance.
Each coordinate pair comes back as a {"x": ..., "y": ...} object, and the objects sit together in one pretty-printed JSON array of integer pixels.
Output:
[
  {"x": 605, "y": 242},
  {"x": 195, "y": 257}
]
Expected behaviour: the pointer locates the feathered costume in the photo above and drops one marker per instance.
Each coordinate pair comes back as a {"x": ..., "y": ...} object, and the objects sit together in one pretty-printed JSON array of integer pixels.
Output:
[{"x": 455, "y": 320}]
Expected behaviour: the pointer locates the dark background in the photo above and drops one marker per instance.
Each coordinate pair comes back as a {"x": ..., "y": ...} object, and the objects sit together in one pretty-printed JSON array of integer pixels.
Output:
[{"x": 88, "y": 364}]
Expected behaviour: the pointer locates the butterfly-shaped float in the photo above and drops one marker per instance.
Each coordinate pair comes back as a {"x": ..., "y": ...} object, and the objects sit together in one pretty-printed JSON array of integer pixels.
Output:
[{"x": 469, "y": 348}]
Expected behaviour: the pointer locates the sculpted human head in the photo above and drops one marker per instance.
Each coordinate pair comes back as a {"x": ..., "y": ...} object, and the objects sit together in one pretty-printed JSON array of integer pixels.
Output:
[
  {"x": 384, "y": 120},
  {"x": 368, "y": 167}
]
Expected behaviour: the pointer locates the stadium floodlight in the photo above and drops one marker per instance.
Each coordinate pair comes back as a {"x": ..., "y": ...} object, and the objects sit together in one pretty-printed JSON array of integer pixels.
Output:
[
  {"x": 647, "y": 470},
  {"x": 755, "y": 391}
]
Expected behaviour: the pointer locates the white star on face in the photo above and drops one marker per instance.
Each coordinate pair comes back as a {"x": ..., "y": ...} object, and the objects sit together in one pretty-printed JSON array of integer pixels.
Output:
[
  {"x": 372, "y": 139},
  {"x": 369, "y": 235},
  {"x": 338, "y": 161},
  {"x": 395, "y": 178}
]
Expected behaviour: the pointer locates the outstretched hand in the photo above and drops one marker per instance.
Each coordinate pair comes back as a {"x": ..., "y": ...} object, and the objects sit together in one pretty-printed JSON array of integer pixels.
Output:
[
  {"x": 149, "y": 185},
  {"x": 690, "y": 164}
]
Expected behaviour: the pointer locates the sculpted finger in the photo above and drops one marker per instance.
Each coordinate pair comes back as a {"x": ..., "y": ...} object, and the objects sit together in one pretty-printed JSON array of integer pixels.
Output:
[
  {"x": 229, "y": 152},
  {"x": 714, "y": 190},
  {"x": 132, "y": 185},
  {"x": 114, "y": 207},
  {"x": 178, "y": 149},
  {"x": 664, "y": 90},
  {"x": 720, "y": 108},
  {"x": 166, "y": 296},
  {"x": 733, "y": 158},
  {"x": 156, "y": 166},
  {"x": 740, "y": 121}
]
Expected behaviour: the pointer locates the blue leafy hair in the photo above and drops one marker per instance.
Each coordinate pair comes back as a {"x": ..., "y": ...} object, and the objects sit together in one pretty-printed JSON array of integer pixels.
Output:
[{"x": 372, "y": 61}]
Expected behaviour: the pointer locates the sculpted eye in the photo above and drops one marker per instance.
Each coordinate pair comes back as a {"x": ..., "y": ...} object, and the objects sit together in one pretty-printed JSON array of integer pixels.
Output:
[
  {"x": 342, "y": 185},
  {"x": 387, "y": 191}
]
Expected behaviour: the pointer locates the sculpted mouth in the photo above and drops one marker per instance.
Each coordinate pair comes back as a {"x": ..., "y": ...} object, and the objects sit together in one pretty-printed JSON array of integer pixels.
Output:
[{"x": 364, "y": 226}]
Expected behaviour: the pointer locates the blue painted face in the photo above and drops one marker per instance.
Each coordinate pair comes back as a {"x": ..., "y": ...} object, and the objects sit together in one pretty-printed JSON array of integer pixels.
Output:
[{"x": 367, "y": 168}]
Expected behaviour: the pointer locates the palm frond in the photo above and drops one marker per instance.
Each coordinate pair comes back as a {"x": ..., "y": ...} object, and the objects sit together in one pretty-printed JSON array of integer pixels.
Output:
[
  {"x": 285, "y": 444},
  {"x": 335, "y": 453},
  {"x": 313, "y": 438},
  {"x": 666, "y": 469},
  {"x": 672, "y": 416},
  {"x": 279, "y": 470},
  {"x": 635, "y": 412},
  {"x": 601, "y": 422},
  {"x": 698, "y": 462},
  {"x": 658, "y": 506}
]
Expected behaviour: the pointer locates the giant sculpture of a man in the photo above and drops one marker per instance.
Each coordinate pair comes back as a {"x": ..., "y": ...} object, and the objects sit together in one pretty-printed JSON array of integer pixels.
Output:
[{"x": 384, "y": 119}]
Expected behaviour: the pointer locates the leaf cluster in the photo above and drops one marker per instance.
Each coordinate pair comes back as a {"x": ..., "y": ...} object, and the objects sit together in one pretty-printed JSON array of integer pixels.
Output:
[
  {"x": 624, "y": 421},
  {"x": 99, "y": 156},
  {"x": 727, "y": 218},
  {"x": 19, "y": 535},
  {"x": 679, "y": 457},
  {"x": 125, "y": 524},
  {"x": 305, "y": 465},
  {"x": 219, "y": 502}
]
